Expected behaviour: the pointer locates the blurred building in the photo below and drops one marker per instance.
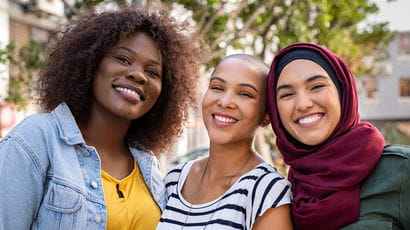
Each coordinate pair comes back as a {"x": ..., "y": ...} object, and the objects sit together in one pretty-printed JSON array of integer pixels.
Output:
[
  {"x": 384, "y": 99},
  {"x": 20, "y": 22},
  {"x": 24, "y": 20}
]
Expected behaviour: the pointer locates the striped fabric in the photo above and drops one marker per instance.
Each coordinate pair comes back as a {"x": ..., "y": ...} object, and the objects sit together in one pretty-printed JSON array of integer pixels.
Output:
[{"x": 254, "y": 192}]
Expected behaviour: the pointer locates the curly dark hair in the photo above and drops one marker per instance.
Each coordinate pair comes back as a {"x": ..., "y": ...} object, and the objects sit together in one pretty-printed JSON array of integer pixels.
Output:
[{"x": 78, "y": 50}]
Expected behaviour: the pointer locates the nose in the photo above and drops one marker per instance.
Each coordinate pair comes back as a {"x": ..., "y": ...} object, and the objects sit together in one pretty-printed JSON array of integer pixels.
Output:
[
  {"x": 304, "y": 102},
  {"x": 136, "y": 73},
  {"x": 226, "y": 101}
]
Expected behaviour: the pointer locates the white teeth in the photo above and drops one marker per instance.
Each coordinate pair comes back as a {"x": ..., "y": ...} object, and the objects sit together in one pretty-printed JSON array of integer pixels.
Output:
[
  {"x": 225, "y": 119},
  {"x": 129, "y": 91},
  {"x": 310, "y": 119}
]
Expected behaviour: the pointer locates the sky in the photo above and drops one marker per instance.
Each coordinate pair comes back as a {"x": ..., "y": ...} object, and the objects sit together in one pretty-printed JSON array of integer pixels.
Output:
[{"x": 397, "y": 13}]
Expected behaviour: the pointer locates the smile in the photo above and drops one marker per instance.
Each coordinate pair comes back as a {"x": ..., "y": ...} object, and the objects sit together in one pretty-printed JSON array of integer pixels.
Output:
[
  {"x": 309, "y": 119},
  {"x": 130, "y": 91},
  {"x": 224, "y": 119}
]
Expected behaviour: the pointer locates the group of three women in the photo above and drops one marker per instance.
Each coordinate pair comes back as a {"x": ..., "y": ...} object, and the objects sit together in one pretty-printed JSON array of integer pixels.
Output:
[{"x": 116, "y": 88}]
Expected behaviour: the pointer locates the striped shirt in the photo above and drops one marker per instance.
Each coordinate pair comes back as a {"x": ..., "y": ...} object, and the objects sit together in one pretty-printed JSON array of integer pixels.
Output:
[{"x": 249, "y": 197}]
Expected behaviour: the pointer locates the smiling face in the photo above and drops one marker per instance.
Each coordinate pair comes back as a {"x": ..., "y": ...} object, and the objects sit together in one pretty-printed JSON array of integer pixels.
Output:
[
  {"x": 234, "y": 103},
  {"x": 308, "y": 102},
  {"x": 128, "y": 81}
]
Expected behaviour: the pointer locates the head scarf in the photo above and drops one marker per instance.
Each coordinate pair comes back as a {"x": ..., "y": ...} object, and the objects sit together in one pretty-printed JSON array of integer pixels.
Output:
[
  {"x": 309, "y": 55},
  {"x": 326, "y": 177}
]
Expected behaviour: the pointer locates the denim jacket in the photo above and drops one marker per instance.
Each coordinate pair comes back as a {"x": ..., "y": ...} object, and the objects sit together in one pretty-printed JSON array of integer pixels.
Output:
[{"x": 50, "y": 179}]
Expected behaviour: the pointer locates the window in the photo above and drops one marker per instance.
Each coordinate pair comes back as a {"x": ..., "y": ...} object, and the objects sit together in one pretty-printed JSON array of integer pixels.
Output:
[
  {"x": 370, "y": 86},
  {"x": 404, "y": 43},
  {"x": 405, "y": 87}
]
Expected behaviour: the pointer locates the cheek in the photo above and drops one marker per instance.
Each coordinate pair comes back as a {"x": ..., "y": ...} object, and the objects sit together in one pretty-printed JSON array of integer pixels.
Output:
[
  {"x": 206, "y": 100},
  {"x": 156, "y": 89},
  {"x": 284, "y": 112},
  {"x": 96, "y": 85},
  {"x": 159, "y": 89},
  {"x": 335, "y": 108},
  {"x": 336, "y": 115}
]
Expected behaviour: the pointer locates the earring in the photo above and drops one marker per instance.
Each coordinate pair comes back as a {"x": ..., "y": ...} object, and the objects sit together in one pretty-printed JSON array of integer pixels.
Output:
[{"x": 264, "y": 123}]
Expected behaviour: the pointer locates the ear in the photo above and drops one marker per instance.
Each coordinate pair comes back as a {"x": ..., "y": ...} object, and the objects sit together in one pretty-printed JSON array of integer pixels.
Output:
[{"x": 266, "y": 120}]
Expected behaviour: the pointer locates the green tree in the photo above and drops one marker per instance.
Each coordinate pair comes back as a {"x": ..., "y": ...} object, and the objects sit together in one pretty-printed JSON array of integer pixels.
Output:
[
  {"x": 259, "y": 27},
  {"x": 262, "y": 27},
  {"x": 24, "y": 63}
]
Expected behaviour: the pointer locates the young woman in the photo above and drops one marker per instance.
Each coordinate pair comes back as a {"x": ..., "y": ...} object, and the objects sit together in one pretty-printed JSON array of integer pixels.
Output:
[
  {"x": 109, "y": 86},
  {"x": 233, "y": 188},
  {"x": 342, "y": 175}
]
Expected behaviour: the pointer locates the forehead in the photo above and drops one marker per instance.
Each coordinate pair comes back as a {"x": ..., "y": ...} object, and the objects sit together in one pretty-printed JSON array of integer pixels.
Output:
[
  {"x": 141, "y": 43},
  {"x": 300, "y": 70},
  {"x": 239, "y": 70}
]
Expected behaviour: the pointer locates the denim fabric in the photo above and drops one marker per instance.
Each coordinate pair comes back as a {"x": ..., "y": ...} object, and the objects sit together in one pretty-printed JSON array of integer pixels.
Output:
[
  {"x": 385, "y": 194},
  {"x": 50, "y": 179}
]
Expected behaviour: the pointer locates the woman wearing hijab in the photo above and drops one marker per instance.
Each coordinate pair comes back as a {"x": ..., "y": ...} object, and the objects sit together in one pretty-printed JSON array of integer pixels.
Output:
[{"x": 341, "y": 172}]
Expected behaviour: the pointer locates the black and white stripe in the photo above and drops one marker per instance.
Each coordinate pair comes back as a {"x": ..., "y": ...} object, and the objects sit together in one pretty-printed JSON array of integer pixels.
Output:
[{"x": 255, "y": 192}]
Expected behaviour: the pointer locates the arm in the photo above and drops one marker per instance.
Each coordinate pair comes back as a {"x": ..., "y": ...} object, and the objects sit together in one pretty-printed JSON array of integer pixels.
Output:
[
  {"x": 271, "y": 203},
  {"x": 21, "y": 184},
  {"x": 274, "y": 218}
]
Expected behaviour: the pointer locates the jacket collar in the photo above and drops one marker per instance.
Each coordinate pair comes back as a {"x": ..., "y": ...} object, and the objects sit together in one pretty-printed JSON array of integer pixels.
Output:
[{"x": 67, "y": 125}]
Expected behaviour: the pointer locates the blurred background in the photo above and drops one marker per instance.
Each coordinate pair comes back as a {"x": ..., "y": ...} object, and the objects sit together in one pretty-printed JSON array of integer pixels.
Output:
[{"x": 373, "y": 37}]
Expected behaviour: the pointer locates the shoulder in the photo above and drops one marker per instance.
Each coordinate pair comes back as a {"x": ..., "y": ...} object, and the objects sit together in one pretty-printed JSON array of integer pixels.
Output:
[
  {"x": 34, "y": 125},
  {"x": 392, "y": 166},
  {"x": 395, "y": 160},
  {"x": 35, "y": 130},
  {"x": 270, "y": 190},
  {"x": 30, "y": 141},
  {"x": 269, "y": 185},
  {"x": 266, "y": 173},
  {"x": 384, "y": 193},
  {"x": 402, "y": 151},
  {"x": 176, "y": 170},
  {"x": 173, "y": 176}
]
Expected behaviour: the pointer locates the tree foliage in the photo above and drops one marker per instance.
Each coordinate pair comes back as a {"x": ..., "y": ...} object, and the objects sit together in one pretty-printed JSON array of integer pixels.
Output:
[
  {"x": 258, "y": 27},
  {"x": 24, "y": 63},
  {"x": 262, "y": 27}
]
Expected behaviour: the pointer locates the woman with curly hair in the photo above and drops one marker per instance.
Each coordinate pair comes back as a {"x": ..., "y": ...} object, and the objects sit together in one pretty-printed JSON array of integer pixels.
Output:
[{"x": 116, "y": 88}]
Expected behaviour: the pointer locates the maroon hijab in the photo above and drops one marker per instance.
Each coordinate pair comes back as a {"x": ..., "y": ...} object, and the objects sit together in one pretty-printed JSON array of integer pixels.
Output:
[{"x": 326, "y": 178}]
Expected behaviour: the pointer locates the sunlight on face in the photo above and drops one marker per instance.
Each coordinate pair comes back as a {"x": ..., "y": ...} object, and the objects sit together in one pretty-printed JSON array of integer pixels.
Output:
[
  {"x": 308, "y": 102},
  {"x": 235, "y": 102}
]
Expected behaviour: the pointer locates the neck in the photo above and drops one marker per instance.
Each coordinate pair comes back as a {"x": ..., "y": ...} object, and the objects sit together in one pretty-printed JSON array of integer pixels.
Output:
[
  {"x": 225, "y": 160},
  {"x": 104, "y": 132}
]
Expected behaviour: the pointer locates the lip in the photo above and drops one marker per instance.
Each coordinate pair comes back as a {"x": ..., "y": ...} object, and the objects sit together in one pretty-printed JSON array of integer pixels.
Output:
[
  {"x": 230, "y": 119},
  {"x": 315, "y": 119},
  {"x": 127, "y": 96}
]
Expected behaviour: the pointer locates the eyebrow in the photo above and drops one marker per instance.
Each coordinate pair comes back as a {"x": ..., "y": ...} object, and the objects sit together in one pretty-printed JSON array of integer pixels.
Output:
[
  {"x": 135, "y": 53},
  {"x": 312, "y": 78},
  {"x": 241, "y": 84}
]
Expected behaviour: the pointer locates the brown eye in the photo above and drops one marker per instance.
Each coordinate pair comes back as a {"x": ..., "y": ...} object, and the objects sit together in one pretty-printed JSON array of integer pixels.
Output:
[
  {"x": 318, "y": 86},
  {"x": 285, "y": 95},
  {"x": 152, "y": 73},
  {"x": 245, "y": 94},
  {"x": 123, "y": 60}
]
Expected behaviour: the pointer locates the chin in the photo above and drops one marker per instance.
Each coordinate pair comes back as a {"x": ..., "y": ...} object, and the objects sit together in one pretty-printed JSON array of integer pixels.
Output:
[
  {"x": 312, "y": 141},
  {"x": 218, "y": 140}
]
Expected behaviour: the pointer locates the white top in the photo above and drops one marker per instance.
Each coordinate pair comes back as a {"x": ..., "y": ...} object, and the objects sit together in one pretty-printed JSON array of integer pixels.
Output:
[{"x": 249, "y": 197}]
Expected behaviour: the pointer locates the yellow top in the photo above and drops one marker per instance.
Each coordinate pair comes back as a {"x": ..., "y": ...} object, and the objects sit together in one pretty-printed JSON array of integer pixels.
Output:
[{"x": 129, "y": 202}]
